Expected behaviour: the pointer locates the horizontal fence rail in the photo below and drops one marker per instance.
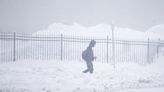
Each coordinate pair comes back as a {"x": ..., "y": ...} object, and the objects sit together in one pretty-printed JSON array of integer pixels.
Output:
[{"x": 14, "y": 47}]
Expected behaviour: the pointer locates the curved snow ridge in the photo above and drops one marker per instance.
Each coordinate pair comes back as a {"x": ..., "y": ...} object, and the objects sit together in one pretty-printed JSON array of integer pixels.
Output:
[
  {"x": 157, "y": 30},
  {"x": 100, "y": 30}
]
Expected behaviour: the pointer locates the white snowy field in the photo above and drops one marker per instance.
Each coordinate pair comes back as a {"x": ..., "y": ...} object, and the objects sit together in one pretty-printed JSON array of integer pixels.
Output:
[{"x": 67, "y": 76}]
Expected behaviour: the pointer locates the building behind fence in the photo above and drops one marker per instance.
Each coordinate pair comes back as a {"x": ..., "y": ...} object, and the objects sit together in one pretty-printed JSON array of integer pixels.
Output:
[{"x": 14, "y": 47}]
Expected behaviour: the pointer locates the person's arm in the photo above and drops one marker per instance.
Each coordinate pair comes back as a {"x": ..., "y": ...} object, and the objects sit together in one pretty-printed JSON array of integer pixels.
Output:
[{"x": 95, "y": 57}]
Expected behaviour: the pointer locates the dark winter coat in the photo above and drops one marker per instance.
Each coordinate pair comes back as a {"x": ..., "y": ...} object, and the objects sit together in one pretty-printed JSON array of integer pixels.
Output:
[{"x": 87, "y": 54}]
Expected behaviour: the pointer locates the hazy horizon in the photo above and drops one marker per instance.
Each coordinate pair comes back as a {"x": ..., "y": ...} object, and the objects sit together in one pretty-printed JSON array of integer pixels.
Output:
[{"x": 28, "y": 16}]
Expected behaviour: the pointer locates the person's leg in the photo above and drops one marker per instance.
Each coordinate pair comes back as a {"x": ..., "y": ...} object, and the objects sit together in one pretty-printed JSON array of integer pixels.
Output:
[
  {"x": 88, "y": 67},
  {"x": 91, "y": 67}
]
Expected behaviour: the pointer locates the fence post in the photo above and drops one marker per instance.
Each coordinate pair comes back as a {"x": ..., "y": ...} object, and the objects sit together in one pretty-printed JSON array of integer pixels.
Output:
[
  {"x": 148, "y": 57},
  {"x": 113, "y": 47},
  {"x": 107, "y": 49},
  {"x": 158, "y": 46},
  {"x": 61, "y": 57},
  {"x": 14, "y": 48}
]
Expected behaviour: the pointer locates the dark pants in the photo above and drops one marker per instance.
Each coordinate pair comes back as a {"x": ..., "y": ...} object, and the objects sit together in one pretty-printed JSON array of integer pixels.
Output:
[{"x": 89, "y": 67}]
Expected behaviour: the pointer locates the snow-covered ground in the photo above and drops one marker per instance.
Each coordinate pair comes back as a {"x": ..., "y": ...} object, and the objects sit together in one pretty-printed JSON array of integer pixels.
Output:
[
  {"x": 159, "y": 89},
  {"x": 67, "y": 76}
]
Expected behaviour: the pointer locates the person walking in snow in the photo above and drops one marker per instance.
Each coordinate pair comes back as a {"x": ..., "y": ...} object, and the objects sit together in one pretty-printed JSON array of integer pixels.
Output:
[{"x": 88, "y": 57}]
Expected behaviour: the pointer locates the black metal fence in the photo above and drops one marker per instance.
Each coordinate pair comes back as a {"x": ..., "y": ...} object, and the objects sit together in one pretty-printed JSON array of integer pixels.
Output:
[{"x": 14, "y": 47}]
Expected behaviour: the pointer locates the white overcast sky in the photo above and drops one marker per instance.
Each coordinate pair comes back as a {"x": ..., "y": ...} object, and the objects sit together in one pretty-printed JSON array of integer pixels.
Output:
[{"x": 27, "y": 16}]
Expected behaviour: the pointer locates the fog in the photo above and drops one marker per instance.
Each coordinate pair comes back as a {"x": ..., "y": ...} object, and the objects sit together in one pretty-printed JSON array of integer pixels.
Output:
[{"x": 28, "y": 16}]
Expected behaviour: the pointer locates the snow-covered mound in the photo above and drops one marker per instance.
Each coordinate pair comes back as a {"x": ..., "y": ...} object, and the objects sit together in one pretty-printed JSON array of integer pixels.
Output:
[
  {"x": 157, "y": 30},
  {"x": 100, "y": 30}
]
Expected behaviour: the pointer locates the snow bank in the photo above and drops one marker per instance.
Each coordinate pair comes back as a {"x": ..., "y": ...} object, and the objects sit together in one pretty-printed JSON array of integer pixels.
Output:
[
  {"x": 100, "y": 30},
  {"x": 157, "y": 30}
]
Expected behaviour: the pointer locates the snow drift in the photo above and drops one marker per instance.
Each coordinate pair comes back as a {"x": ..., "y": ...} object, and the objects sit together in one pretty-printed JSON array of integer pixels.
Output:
[
  {"x": 100, "y": 30},
  {"x": 157, "y": 30}
]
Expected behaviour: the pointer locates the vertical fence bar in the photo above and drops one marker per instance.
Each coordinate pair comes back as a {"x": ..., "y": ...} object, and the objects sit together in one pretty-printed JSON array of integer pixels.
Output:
[
  {"x": 107, "y": 49},
  {"x": 158, "y": 47},
  {"x": 148, "y": 56},
  {"x": 61, "y": 57},
  {"x": 0, "y": 47},
  {"x": 14, "y": 48},
  {"x": 113, "y": 46}
]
